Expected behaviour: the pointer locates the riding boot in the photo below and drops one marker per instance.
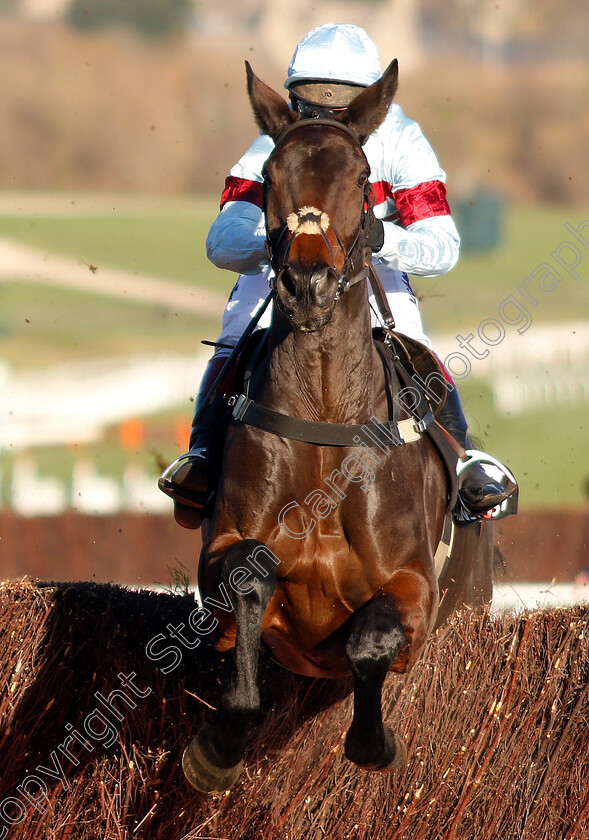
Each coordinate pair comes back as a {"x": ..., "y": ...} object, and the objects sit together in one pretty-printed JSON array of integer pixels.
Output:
[
  {"x": 191, "y": 480},
  {"x": 477, "y": 491}
]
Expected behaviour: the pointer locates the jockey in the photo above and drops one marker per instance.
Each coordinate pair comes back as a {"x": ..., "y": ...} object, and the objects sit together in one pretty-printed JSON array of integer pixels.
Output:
[{"x": 414, "y": 234}]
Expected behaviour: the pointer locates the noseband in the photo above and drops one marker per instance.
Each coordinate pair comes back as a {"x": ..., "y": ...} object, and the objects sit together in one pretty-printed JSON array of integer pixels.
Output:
[{"x": 313, "y": 221}]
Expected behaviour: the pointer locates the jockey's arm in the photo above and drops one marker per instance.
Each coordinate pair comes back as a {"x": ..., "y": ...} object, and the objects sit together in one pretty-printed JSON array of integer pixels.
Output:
[
  {"x": 237, "y": 238},
  {"x": 427, "y": 248},
  {"x": 423, "y": 239}
]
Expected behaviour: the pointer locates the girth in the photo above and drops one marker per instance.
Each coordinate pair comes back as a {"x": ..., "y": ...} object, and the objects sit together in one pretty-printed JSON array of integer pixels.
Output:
[{"x": 374, "y": 433}]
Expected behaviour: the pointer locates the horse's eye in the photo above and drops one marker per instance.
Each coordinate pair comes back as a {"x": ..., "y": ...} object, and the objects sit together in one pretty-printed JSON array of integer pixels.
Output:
[
  {"x": 362, "y": 179},
  {"x": 267, "y": 180}
]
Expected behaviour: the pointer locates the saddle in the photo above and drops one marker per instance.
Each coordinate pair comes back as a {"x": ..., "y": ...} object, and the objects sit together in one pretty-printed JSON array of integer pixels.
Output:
[{"x": 427, "y": 368}]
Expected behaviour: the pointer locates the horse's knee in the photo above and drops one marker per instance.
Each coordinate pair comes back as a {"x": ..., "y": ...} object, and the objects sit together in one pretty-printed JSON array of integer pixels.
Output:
[
  {"x": 248, "y": 581},
  {"x": 249, "y": 572},
  {"x": 416, "y": 594},
  {"x": 376, "y": 636}
]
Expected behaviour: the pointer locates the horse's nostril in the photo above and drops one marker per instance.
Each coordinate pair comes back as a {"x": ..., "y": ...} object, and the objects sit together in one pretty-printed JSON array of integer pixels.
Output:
[
  {"x": 324, "y": 287},
  {"x": 286, "y": 287},
  {"x": 284, "y": 280},
  {"x": 289, "y": 284}
]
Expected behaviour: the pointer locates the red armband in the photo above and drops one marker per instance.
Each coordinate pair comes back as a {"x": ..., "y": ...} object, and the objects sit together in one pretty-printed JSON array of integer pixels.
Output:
[
  {"x": 382, "y": 191},
  {"x": 421, "y": 202},
  {"x": 241, "y": 189}
]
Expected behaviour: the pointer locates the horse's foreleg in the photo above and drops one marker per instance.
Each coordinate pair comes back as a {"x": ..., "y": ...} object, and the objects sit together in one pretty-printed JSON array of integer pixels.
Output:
[
  {"x": 376, "y": 637},
  {"x": 212, "y": 762}
]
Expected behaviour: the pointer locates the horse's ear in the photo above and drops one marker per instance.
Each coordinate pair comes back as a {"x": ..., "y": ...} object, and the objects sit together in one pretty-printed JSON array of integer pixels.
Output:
[
  {"x": 271, "y": 112},
  {"x": 367, "y": 110}
]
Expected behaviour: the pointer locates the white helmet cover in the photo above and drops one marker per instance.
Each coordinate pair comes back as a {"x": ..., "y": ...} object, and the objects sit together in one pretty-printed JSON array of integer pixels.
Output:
[{"x": 338, "y": 52}]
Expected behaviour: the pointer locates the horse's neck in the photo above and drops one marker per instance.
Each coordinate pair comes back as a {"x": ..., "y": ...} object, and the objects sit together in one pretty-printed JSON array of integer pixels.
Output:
[{"x": 327, "y": 375}]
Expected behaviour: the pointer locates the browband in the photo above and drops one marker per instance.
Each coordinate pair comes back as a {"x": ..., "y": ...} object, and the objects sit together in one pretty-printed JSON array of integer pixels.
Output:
[{"x": 316, "y": 121}]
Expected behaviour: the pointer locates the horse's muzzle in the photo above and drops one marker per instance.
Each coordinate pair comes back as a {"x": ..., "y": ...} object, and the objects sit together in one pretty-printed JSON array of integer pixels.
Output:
[{"x": 307, "y": 297}]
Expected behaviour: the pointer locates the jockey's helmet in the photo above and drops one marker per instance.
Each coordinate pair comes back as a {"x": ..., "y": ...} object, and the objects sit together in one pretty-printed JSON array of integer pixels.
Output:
[{"x": 330, "y": 66}]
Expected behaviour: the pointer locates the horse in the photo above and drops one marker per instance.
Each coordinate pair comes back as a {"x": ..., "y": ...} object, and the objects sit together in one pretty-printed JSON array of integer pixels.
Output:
[{"x": 324, "y": 552}]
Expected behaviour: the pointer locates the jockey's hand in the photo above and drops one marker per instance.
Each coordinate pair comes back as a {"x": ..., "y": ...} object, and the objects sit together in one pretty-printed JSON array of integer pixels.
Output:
[{"x": 375, "y": 239}]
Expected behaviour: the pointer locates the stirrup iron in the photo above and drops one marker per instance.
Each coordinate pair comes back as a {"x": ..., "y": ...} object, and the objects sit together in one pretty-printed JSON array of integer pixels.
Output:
[{"x": 497, "y": 472}]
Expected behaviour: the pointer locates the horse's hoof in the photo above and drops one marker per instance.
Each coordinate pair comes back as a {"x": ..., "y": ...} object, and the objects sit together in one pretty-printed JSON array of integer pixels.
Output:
[
  {"x": 395, "y": 755},
  {"x": 202, "y": 774},
  {"x": 399, "y": 750}
]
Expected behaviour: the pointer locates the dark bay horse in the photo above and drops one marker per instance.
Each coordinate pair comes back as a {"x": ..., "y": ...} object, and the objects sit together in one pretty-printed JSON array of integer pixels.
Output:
[{"x": 323, "y": 552}]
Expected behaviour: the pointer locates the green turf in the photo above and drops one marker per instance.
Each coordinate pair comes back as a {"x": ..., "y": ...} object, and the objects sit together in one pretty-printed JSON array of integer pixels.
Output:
[
  {"x": 475, "y": 289},
  {"x": 172, "y": 244},
  {"x": 42, "y": 325},
  {"x": 547, "y": 450},
  {"x": 169, "y": 245}
]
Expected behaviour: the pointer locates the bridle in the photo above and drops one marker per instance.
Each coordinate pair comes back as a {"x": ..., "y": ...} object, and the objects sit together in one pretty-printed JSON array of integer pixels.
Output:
[{"x": 346, "y": 277}]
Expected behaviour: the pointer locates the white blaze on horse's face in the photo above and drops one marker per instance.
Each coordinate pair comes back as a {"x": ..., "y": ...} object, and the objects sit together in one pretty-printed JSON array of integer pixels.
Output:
[{"x": 307, "y": 220}]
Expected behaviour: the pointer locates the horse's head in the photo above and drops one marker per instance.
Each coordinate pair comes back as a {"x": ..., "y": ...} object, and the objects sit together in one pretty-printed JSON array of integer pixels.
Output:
[{"x": 317, "y": 196}]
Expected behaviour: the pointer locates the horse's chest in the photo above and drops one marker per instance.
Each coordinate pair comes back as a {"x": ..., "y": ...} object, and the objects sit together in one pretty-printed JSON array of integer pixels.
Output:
[{"x": 310, "y": 501}]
